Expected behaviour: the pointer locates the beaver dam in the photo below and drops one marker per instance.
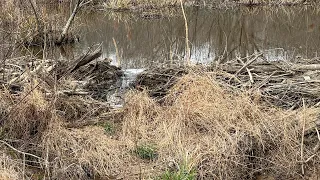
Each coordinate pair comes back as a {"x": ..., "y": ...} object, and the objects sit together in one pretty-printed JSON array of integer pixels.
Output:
[{"x": 120, "y": 95}]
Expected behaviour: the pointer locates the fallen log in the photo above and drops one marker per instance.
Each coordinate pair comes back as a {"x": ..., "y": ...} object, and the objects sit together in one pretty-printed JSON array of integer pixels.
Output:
[{"x": 305, "y": 67}]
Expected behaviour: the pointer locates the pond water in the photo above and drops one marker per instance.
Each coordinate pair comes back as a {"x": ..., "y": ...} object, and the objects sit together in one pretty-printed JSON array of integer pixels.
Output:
[
  {"x": 135, "y": 40},
  {"x": 132, "y": 41},
  {"x": 138, "y": 41}
]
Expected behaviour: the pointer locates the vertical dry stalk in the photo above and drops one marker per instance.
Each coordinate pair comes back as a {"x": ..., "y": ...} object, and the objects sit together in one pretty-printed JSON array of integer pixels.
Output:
[
  {"x": 44, "y": 47},
  {"x": 117, "y": 52},
  {"x": 24, "y": 167},
  {"x": 187, "y": 32},
  {"x": 302, "y": 137}
]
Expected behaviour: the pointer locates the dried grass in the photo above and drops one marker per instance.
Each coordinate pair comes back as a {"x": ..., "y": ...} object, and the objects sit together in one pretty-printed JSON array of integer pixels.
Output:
[
  {"x": 199, "y": 125},
  {"x": 225, "y": 135},
  {"x": 9, "y": 168},
  {"x": 85, "y": 153},
  {"x": 29, "y": 115}
]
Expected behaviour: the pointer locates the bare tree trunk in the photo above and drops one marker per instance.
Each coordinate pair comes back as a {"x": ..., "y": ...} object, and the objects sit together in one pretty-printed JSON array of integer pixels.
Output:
[{"x": 69, "y": 22}]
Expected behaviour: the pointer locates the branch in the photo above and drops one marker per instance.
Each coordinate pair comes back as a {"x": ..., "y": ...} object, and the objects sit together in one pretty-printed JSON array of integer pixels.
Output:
[
  {"x": 21, "y": 152},
  {"x": 87, "y": 58}
]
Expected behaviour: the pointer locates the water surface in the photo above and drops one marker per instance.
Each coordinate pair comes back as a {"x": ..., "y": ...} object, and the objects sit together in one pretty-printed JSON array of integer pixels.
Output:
[{"x": 133, "y": 41}]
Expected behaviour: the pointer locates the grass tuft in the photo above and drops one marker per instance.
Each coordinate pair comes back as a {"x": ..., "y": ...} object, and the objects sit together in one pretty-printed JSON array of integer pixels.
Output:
[
  {"x": 109, "y": 128},
  {"x": 10, "y": 169},
  {"x": 182, "y": 172},
  {"x": 147, "y": 152}
]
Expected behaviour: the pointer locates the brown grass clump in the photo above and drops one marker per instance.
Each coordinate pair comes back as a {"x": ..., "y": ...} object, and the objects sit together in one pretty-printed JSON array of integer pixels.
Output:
[
  {"x": 222, "y": 135},
  {"x": 78, "y": 109},
  {"x": 9, "y": 168},
  {"x": 84, "y": 153},
  {"x": 29, "y": 115}
]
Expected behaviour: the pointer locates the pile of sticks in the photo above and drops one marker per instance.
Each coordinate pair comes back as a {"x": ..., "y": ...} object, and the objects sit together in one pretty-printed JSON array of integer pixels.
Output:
[
  {"x": 77, "y": 77},
  {"x": 157, "y": 81},
  {"x": 281, "y": 83}
]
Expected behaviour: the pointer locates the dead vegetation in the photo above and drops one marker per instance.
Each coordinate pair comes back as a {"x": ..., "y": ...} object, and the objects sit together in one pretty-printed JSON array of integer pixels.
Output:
[
  {"x": 226, "y": 135},
  {"x": 206, "y": 127},
  {"x": 236, "y": 120},
  {"x": 281, "y": 83},
  {"x": 10, "y": 169},
  {"x": 146, "y": 5},
  {"x": 159, "y": 80}
]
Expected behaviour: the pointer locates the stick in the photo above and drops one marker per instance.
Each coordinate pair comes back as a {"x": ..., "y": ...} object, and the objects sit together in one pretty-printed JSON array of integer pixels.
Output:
[
  {"x": 248, "y": 70},
  {"x": 250, "y": 75},
  {"x": 248, "y": 63},
  {"x": 87, "y": 58},
  {"x": 316, "y": 148},
  {"x": 305, "y": 67},
  {"x": 79, "y": 4}
]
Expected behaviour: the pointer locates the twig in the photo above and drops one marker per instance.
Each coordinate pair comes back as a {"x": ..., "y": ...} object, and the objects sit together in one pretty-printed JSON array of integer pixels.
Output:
[
  {"x": 316, "y": 148},
  {"x": 250, "y": 75},
  {"x": 84, "y": 3},
  {"x": 87, "y": 58},
  {"x": 21, "y": 152},
  {"x": 248, "y": 63},
  {"x": 248, "y": 70},
  {"x": 78, "y": 5},
  {"x": 265, "y": 81},
  {"x": 306, "y": 161}
]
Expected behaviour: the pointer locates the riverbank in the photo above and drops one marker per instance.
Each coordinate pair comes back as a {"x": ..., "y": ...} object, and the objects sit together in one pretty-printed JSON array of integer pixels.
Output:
[
  {"x": 244, "y": 106},
  {"x": 154, "y": 4},
  {"x": 176, "y": 122}
]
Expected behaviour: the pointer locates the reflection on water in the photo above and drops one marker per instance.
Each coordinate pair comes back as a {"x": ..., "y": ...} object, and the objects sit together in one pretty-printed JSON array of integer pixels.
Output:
[
  {"x": 213, "y": 34},
  {"x": 134, "y": 42}
]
